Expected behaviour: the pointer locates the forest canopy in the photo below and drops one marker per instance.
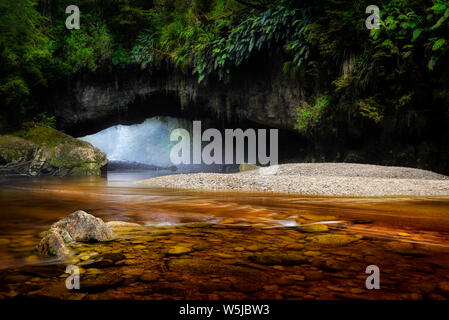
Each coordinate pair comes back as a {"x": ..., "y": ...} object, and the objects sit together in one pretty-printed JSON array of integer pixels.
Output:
[{"x": 400, "y": 67}]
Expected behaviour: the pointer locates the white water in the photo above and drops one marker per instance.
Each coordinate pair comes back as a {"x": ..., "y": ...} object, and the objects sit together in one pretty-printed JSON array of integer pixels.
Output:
[{"x": 147, "y": 142}]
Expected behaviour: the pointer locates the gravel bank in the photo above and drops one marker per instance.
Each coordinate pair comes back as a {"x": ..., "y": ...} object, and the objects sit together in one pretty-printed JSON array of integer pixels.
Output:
[{"x": 333, "y": 179}]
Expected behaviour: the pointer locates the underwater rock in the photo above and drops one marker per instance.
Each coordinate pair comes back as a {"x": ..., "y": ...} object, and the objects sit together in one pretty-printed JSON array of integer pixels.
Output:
[
  {"x": 178, "y": 250},
  {"x": 313, "y": 228},
  {"x": 53, "y": 244},
  {"x": 333, "y": 240},
  {"x": 281, "y": 259},
  {"x": 84, "y": 227}
]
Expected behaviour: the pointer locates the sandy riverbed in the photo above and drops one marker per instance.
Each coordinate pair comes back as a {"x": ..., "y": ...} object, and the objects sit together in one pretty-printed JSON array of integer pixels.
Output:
[{"x": 332, "y": 179}]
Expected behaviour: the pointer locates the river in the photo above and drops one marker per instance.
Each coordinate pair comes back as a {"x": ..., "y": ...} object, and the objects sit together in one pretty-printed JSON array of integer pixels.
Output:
[{"x": 407, "y": 237}]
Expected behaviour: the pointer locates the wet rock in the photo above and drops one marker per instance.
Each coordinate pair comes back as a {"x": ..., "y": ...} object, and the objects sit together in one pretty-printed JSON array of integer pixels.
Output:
[
  {"x": 14, "y": 278},
  {"x": 422, "y": 287},
  {"x": 124, "y": 227},
  {"x": 282, "y": 259},
  {"x": 52, "y": 244},
  {"x": 435, "y": 296},
  {"x": 105, "y": 261},
  {"x": 356, "y": 291},
  {"x": 178, "y": 250},
  {"x": 313, "y": 228},
  {"x": 289, "y": 280},
  {"x": 44, "y": 271},
  {"x": 399, "y": 247},
  {"x": 333, "y": 240},
  {"x": 213, "y": 286},
  {"x": 208, "y": 267},
  {"x": 100, "y": 282},
  {"x": 132, "y": 271},
  {"x": 84, "y": 227},
  {"x": 149, "y": 276},
  {"x": 336, "y": 289},
  {"x": 313, "y": 275},
  {"x": 294, "y": 246},
  {"x": 247, "y": 286},
  {"x": 331, "y": 265},
  {"x": 444, "y": 288},
  {"x": 312, "y": 253},
  {"x": 254, "y": 248},
  {"x": 93, "y": 271}
]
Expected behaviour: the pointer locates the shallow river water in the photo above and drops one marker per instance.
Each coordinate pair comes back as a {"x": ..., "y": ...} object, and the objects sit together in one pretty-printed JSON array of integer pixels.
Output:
[{"x": 223, "y": 245}]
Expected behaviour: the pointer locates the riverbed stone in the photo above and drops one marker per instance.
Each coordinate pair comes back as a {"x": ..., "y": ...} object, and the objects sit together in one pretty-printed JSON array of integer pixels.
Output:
[
  {"x": 84, "y": 227},
  {"x": 99, "y": 282},
  {"x": 178, "y": 250},
  {"x": 333, "y": 240},
  {"x": 313, "y": 275},
  {"x": 313, "y": 228},
  {"x": 273, "y": 258},
  {"x": 149, "y": 276}
]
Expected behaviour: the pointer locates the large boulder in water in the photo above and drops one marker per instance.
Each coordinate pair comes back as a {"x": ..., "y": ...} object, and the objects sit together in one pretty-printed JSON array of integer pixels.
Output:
[
  {"x": 84, "y": 227},
  {"x": 39, "y": 150}
]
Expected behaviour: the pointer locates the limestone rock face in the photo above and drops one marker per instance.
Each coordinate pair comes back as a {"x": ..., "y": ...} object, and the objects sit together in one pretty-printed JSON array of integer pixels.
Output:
[
  {"x": 40, "y": 150},
  {"x": 84, "y": 227},
  {"x": 268, "y": 98}
]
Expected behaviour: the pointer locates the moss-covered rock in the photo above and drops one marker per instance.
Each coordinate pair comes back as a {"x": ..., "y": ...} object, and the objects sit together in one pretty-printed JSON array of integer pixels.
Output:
[{"x": 40, "y": 150}]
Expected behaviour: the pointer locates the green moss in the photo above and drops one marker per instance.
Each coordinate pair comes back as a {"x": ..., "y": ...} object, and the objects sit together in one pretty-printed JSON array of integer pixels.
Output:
[
  {"x": 308, "y": 116},
  {"x": 59, "y": 154},
  {"x": 15, "y": 149},
  {"x": 86, "y": 170},
  {"x": 46, "y": 136},
  {"x": 51, "y": 251}
]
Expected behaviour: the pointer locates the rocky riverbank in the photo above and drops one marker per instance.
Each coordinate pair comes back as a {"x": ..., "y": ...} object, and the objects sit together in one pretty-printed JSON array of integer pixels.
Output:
[
  {"x": 333, "y": 179},
  {"x": 39, "y": 150}
]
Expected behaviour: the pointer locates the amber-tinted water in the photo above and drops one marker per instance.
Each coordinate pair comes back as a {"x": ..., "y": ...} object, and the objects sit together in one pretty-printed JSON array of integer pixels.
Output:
[{"x": 236, "y": 243}]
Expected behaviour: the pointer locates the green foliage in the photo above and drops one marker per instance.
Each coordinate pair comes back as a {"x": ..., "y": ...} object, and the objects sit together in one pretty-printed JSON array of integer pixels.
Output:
[
  {"x": 89, "y": 47},
  {"x": 209, "y": 40},
  {"x": 370, "y": 109},
  {"x": 323, "y": 45},
  {"x": 309, "y": 116},
  {"x": 261, "y": 31},
  {"x": 42, "y": 119},
  {"x": 24, "y": 48}
]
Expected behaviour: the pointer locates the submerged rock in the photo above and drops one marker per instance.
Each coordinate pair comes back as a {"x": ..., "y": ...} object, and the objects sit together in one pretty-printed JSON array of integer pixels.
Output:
[
  {"x": 122, "y": 227},
  {"x": 39, "y": 150},
  {"x": 313, "y": 228},
  {"x": 333, "y": 240},
  {"x": 84, "y": 227},
  {"x": 53, "y": 244},
  {"x": 178, "y": 250},
  {"x": 282, "y": 259}
]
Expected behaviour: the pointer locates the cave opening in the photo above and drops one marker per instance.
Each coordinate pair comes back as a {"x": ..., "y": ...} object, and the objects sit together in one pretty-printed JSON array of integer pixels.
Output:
[{"x": 138, "y": 137}]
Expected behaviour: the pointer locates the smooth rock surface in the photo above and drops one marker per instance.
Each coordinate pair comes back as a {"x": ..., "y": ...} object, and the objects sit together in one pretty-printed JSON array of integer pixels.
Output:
[{"x": 85, "y": 227}]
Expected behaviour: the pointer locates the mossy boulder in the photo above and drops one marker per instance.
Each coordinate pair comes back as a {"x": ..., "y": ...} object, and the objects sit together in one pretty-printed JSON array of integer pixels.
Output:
[{"x": 39, "y": 150}]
